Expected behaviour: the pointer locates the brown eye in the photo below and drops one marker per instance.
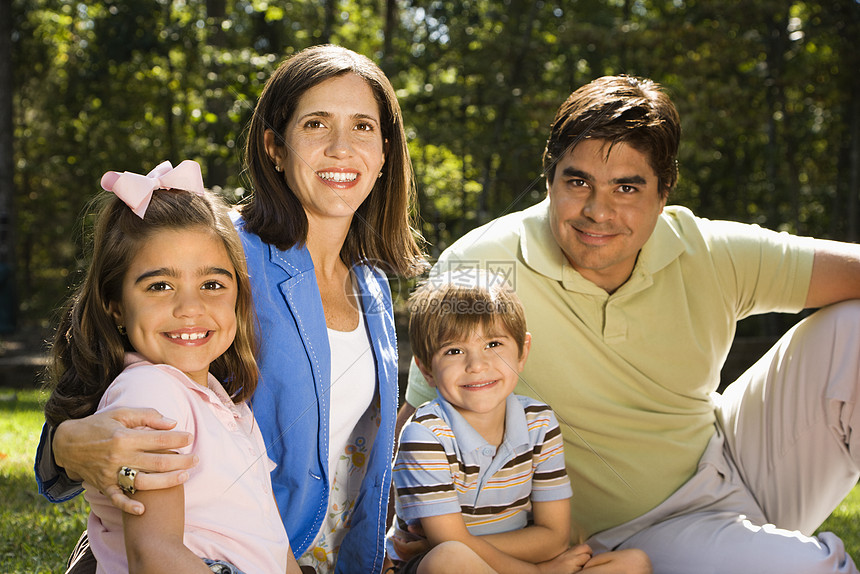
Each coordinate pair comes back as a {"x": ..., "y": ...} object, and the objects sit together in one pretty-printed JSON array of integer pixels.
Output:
[{"x": 158, "y": 286}]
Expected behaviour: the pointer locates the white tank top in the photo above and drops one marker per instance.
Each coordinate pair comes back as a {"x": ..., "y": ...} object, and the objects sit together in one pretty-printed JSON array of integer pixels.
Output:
[
  {"x": 353, "y": 383},
  {"x": 353, "y": 386}
]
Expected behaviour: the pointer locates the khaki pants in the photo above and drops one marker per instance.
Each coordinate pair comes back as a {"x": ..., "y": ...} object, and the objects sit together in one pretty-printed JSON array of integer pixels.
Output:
[{"x": 785, "y": 453}]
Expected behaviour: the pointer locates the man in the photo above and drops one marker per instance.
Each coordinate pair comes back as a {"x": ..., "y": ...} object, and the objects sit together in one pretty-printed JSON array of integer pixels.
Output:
[{"x": 633, "y": 307}]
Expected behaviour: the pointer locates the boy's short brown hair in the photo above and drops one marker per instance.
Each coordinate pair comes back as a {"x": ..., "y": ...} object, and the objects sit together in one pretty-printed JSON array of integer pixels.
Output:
[{"x": 450, "y": 306}]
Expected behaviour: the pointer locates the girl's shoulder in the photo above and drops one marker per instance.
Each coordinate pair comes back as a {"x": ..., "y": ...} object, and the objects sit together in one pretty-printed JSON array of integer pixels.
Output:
[{"x": 145, "y": 385}]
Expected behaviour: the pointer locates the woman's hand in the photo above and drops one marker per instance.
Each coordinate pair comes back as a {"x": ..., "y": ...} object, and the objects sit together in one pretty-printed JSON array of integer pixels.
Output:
[{"x": 96, "y": 447}]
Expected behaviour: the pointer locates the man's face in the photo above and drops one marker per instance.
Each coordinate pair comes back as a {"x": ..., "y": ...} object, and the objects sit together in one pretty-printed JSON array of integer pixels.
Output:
[{"x": 603, "y": 209}]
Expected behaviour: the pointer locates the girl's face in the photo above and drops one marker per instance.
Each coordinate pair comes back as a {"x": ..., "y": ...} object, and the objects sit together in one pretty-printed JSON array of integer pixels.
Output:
[
  {"x": 178, "y": 301},
  {"x": 332, "y": 150}
]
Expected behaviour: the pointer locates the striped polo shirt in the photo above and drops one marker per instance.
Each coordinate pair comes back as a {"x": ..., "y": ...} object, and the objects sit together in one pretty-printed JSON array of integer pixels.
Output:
[{"x": 444, "y": 465}]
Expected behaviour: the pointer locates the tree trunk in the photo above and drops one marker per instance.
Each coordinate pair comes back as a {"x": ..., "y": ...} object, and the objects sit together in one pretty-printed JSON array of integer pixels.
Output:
[
  {"x": 216, "y": 170},
  {"x": 8, "y": 300},
  {"x": 390, "y": 27},
  {"x": 853, "y": 118},
  {"x": 518, "y": 56},
  {"x": 852, "y": 60},
  {"x": 328, "y": 21}
]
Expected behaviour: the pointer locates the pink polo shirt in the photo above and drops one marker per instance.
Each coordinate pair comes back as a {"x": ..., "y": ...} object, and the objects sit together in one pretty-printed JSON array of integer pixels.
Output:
[{"x": 230, "y": 513}]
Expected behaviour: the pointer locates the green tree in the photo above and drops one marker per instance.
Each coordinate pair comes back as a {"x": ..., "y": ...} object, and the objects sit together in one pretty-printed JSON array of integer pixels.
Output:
[{"x": 766, "y": 91}]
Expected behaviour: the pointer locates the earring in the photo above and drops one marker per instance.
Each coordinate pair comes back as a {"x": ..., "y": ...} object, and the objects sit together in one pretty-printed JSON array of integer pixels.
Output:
[
  {"x": 121, "y": 329},
  {"x": 278, "y": 168},
  {"x": 379, "y": 176}
]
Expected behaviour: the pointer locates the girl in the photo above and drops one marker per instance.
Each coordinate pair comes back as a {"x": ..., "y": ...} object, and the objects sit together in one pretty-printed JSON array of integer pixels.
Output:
[{"x": 165, "y": 301}]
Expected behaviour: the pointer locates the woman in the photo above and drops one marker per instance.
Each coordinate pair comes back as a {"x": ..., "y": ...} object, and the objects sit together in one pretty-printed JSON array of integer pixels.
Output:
[{"x": 333, "y": 189}]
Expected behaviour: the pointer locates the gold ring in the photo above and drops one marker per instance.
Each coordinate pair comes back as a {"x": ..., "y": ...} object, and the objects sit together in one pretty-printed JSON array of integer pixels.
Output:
[{"x": 125, "y": 478}]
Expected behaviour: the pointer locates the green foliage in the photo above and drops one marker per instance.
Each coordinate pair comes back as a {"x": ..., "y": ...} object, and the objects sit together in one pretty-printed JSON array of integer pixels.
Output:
[
  {"x": 845, "y": 522},
  {"x": 35, "y": 535},
  {"x": 766, "y": 91}
]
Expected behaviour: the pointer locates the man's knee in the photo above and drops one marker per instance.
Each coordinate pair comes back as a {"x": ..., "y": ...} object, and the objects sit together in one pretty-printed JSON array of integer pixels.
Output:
[
  {"x": 844, "y": 315},
  {"x": 713, "y": 543},
  {"x": 823, "y": 554}
]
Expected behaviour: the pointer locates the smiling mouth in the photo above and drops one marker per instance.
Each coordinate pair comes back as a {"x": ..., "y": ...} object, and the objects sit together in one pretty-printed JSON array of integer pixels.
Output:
[
  {"x": 188, "y": 336},
  {"x": 595, "y": 237},
  {"x": 595, "y": 234},
  {"x": 337, "y": 176},
  {"x": 479, "y": 385}
]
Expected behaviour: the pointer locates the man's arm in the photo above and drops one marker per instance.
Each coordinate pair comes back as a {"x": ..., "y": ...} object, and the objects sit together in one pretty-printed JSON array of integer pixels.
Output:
[
  {"x": 835, "y": 273},
  {"x": 95, "y": 447}
]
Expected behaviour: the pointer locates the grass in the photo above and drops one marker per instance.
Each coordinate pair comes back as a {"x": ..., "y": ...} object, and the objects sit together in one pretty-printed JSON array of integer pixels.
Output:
[
  {"x": 845, "y": 522},
  {"x": 37, "y": 536}
]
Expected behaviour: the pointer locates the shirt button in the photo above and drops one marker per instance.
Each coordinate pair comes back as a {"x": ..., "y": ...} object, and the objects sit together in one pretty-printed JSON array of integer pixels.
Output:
[{"x": 488, "y": 451}]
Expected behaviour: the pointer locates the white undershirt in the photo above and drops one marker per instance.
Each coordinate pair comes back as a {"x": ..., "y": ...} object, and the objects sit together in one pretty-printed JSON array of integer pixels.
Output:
[
  {"x": 353, "y": 382},
  {"x": 353, "y": 386}
]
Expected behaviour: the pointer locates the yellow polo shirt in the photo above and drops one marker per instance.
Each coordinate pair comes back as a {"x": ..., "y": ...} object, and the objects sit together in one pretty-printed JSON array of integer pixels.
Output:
[{"x": 630, "y": 375}]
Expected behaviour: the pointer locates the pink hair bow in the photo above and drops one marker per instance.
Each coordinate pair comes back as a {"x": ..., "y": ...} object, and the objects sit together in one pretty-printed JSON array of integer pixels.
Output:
[{"x": 135, "y": 190}]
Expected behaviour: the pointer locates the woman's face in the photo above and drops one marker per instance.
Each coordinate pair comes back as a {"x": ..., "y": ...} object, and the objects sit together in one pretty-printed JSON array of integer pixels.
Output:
[{"x": 333, "y": 149}]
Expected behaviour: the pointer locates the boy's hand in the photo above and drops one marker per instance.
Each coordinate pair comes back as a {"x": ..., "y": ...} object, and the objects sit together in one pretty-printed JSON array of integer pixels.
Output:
[{"x": 571, "y": 560}]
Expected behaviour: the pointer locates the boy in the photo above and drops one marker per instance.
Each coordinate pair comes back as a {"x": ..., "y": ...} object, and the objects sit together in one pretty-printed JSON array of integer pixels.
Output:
[{"x": 480, "y": 471}]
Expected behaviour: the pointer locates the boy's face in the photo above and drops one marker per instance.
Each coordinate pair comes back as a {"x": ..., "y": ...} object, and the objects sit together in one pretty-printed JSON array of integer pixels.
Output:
[{"x": 477, "y": 374}]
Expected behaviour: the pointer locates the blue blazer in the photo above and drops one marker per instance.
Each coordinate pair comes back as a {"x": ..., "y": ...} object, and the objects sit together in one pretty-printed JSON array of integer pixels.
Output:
[{"x": 291, "y": 403}]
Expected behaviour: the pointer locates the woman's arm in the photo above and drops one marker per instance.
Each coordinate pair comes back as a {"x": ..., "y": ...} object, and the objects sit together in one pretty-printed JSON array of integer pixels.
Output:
[
  {"x": 153, "y": 540},
  {"x": 95, "y": 447},
  {"x": 546, "y": 538}
]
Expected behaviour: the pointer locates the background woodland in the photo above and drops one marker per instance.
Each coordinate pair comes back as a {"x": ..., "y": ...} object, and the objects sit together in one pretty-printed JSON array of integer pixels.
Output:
[{"x": 767, "y": 91}]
